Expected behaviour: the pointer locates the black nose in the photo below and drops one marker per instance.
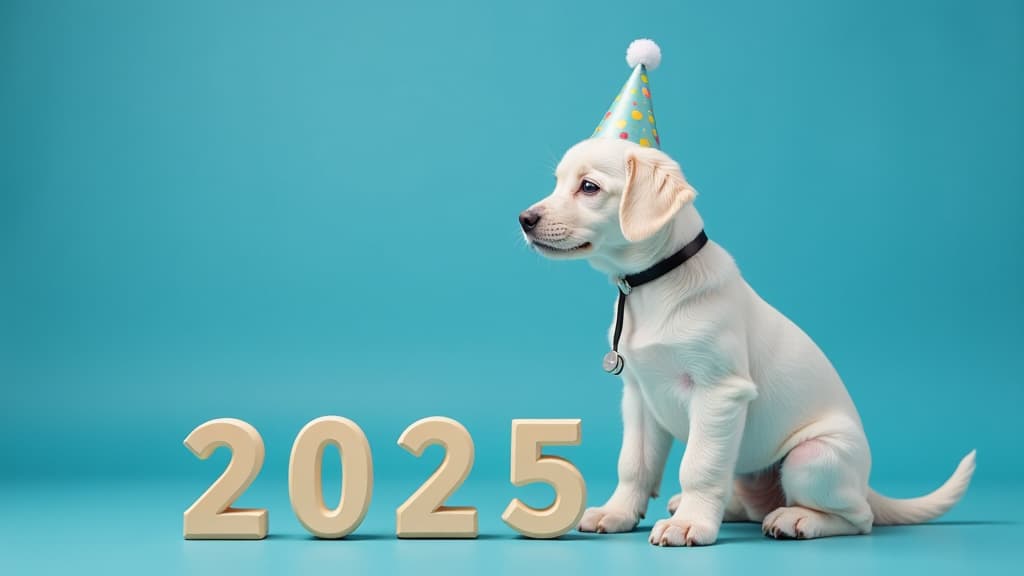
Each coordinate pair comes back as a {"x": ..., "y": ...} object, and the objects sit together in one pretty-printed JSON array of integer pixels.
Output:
[{"x": 528, "y": 220}]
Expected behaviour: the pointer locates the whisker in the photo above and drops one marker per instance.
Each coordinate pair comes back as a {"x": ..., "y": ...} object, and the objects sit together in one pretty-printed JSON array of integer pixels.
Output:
[{"x": 521, "y": 241}]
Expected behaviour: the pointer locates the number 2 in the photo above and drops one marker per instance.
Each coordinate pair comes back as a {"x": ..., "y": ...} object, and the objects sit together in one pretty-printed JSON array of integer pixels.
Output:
[
  {"x": 211, "y": 516},
  {"x": 424, "y": 515}
]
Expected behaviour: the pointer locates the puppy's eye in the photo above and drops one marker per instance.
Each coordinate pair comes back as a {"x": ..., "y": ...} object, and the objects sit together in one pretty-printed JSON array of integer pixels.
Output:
[{"x": 589, "y": 188}]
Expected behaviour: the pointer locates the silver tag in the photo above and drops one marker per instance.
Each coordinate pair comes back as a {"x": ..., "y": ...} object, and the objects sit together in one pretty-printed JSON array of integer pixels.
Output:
[{"x": 613, "y": 363}]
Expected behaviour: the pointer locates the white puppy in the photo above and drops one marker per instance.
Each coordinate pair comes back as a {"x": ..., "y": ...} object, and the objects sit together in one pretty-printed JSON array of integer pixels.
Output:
[{"x": 771, "y": 433}]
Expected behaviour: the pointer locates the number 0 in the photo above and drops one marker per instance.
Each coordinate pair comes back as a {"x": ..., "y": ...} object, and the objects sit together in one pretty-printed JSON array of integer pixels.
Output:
[
  {"x": 306, "y": 483},
  {"x": 528, "y": 466}
]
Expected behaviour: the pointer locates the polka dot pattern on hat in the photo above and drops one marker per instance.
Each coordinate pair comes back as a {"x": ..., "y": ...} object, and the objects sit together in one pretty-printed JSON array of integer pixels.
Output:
[{"x": 631, "y": 114}]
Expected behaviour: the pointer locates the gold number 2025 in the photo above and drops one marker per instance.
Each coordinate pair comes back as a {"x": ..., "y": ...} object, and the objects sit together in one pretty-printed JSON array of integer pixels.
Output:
[{"x": 422, "y": 515}]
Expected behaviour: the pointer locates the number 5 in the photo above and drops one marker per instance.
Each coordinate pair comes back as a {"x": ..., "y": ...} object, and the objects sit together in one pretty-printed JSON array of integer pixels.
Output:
[{"x": 528, "y": 466}]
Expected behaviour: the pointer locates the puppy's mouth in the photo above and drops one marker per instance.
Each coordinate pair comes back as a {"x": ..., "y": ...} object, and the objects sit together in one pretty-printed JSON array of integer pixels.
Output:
[{"x": 555, "y": 250}]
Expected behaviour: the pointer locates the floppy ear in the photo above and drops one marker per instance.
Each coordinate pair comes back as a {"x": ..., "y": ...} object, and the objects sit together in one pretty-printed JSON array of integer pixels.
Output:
[{"x": 655, "y": 190}]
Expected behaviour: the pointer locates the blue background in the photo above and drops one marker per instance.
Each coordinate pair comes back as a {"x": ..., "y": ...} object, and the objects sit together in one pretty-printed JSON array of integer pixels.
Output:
[{"x": 277, "y": 211}]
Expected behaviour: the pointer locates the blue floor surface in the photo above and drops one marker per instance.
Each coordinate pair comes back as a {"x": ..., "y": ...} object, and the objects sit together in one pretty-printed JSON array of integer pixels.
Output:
[{"x": 129, "y": 528}]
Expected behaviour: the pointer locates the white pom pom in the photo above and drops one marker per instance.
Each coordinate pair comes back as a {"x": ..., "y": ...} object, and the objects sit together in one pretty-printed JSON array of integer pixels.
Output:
[{"x": 643, "y": 51}]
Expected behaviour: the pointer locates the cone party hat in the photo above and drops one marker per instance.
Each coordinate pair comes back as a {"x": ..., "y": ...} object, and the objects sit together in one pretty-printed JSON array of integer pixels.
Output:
[{"x": 631, "y": 114}]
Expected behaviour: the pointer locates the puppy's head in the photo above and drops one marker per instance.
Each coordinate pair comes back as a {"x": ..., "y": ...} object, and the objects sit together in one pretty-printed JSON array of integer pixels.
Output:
[{"x": 609, "y": 195}]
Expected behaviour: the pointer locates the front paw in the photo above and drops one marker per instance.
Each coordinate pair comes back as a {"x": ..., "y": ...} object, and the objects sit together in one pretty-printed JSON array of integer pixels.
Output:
[
  {"x": 683, "y": 531},
  {"x": 605, "y": 519}
]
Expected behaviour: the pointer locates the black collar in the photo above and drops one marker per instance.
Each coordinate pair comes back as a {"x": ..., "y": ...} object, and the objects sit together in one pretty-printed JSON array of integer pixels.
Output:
[
  {"x": 613, "y": 361},
  {"x": 629, "y": 281}
]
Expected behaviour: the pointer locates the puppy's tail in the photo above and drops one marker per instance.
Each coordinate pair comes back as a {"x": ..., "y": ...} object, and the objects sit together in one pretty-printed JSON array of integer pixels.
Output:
[{"x": 924, "y": 508}]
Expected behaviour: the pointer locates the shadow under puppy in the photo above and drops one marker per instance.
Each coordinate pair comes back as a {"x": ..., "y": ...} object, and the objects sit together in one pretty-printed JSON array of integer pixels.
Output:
[{"x": 771, "y": 434}]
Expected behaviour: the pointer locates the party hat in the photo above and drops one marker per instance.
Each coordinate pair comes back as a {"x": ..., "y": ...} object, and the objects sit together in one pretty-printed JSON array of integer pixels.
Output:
[{"x": 631, "y": 115}]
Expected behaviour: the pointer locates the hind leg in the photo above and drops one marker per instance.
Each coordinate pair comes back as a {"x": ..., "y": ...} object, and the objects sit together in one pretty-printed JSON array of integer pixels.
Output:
[{"x": 824, "y": 480}]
